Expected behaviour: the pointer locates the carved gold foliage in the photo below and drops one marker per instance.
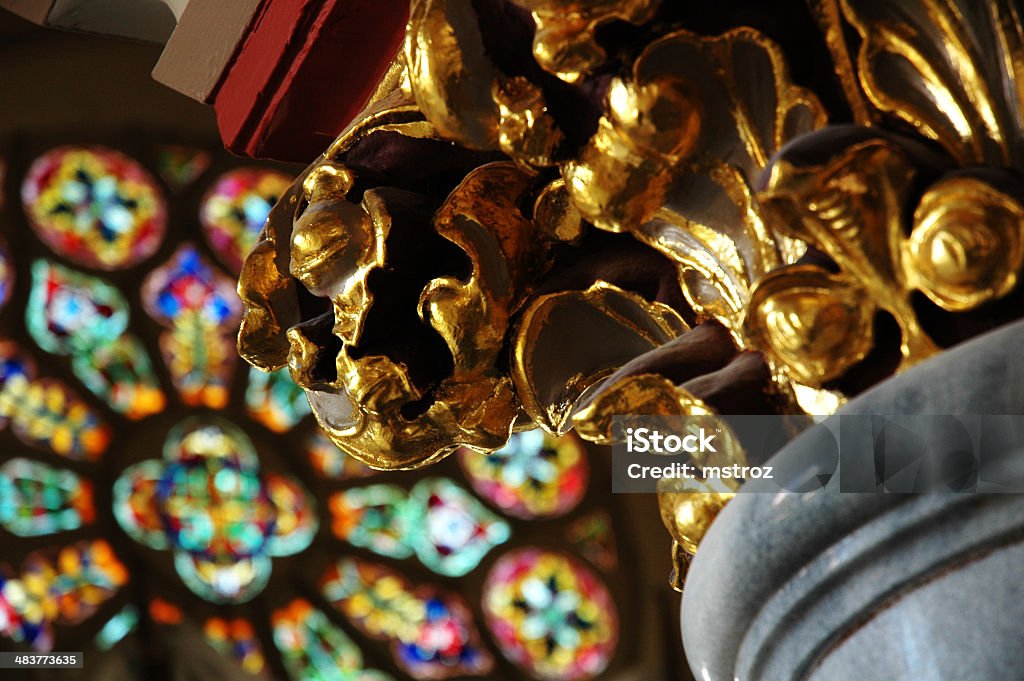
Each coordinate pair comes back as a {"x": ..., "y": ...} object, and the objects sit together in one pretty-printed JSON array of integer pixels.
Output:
[
  {"x": 829, "y": 17},
  {"x": 473, "y": 407},
  {"x": 335, "y": 245},
  {"x": 750, "y": 107},
  {"x": 450, "y": 74},
  {"x": 266, "y": 286},
  {"x": 606, "y": 325},
  {"x": 685, "y": 134},
  {"x": 564, "y": 43},
  {"x": 815, "y": 323},
  {"x": 648, "y": 394},
  {"x": 555, "y": 215},
  {"x": 482, "y": 217},
  {"x": 852, "y": 209},
  {"x": 965, "y": 248},
  {"x": 623, "y": 173},
  {"x": 267, "y": 290},
  {"x": 674, "y": 159},
  {"x": 723, "y": 247},
  {"x": 950, "y": 68},
  {"x": 688, "y": 507},
  {"x": 463, "y": 94}
]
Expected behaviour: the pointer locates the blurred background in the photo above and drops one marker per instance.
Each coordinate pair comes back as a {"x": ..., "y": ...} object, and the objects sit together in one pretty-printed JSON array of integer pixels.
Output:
[{"x": 174, "y": 513}]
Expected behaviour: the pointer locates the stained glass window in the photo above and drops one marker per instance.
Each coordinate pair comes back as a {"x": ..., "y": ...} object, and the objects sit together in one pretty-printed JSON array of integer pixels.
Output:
[
  {"x": 181, "y": 166},
  {"x": 94, "y": 206},
  {"x": 37, "y": 499},
  {"x": 235, "y": 209},
  {"x": 534, "y": 476},
  {"x": 6, "y": 271},
  {"x": 236, "y": 639},
  {"x": 198, "y": 306},
  {"x": 550, "y": 615},
  {"x": 151, "y": 485}
]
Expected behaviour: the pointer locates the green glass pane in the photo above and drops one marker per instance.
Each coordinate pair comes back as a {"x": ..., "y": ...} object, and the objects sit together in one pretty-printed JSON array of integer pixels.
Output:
[
  {"x": 371, "y": 517},
  {"x": 117, "y": 627},
  {"x": 274, "y": 400},
  {"x": 314, "y": 649},
  {"x": 120, "y": 372},
  {"x": 37, "y": 499},
  {"x": 448, "y": 528},
  {"x": 70, "y": 312}
]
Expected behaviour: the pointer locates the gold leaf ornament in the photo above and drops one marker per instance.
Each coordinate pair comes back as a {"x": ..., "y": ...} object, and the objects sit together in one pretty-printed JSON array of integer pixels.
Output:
[
  {"x": 966, "y": 245},
  {"x": 464, "y": 95},
  {"x": 564, "y": 43},
  {"x": 851, "y": 208},
  {"x": 623, "y": 173},
  {"x": 268, "y": 291},
  {"x": 814, "y": 323},
  {"x": 688, "y": 508},
  {"x": 950, "y": 68},
  {"x": 964, "y": 249},
  {"x": 646, "y": 394},
  {"x": 475, "y": 406},
  {"x": 605, "y": 325},
  {"x": 680, "y": 180}
]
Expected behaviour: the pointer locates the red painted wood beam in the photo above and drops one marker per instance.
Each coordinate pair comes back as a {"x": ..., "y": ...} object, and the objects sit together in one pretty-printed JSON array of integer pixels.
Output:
[{"x": 303, "y": 70}]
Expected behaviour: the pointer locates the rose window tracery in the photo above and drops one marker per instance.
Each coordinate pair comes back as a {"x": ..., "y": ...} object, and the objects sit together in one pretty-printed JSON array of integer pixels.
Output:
[{"x": 152, "y": 485}]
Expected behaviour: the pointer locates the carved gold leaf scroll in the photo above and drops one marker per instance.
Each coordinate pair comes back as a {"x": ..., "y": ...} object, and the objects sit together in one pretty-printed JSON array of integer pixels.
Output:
[
  {"x": 829, "y": 17},
  {"x": 647, "y": 394},
  {"x": 267, "y": 290},
  {"x": 814, "y": 323},
  {"x": 681, "y": 182},
  {"x": 475, "y": 406},
  {"x": 265, "y": 286},
  {"x": 606, "y": 325},
  {"x": 482, "y": 217},
  {"x": 950, "y": 68},
  {"x": 966, "y": 245},
  {"x": 852, "y": 209},
  {"x": 688, "y": 506},
  {"x": 564, "y": 43},
  {"x": 335, "y": 244},
  {"x": 464, "y": 95}
]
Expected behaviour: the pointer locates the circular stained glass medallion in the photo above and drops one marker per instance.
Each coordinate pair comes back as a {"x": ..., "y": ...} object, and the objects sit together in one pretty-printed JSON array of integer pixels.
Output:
[
  {"x": 550, "y": 615},
  {"x": 235, "y": 209},
  {"x": 95, "y": 206},
  {"x": 536, "y": 475}
]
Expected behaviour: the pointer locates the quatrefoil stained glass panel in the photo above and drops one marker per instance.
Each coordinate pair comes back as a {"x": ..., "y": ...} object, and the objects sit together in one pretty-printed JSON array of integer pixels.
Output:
[{"x": 156, "y": 494}]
